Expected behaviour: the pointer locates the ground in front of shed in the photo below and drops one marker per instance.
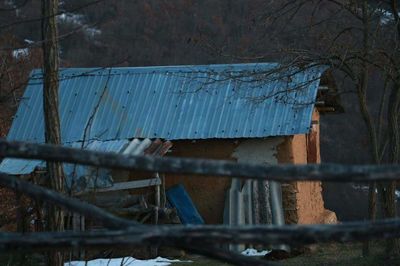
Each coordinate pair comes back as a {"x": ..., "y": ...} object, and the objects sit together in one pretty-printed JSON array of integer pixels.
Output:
[{"x": 325, "y": 254}]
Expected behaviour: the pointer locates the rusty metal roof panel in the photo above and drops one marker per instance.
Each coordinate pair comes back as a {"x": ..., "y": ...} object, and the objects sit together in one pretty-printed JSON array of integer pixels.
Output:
[{"x": 175, "y": 102}]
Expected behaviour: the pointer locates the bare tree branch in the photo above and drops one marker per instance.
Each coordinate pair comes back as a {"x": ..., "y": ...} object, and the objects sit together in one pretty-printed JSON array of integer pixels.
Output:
[
  {"x": 14, "y": 7},
  {"x": 19, "y": 22}
]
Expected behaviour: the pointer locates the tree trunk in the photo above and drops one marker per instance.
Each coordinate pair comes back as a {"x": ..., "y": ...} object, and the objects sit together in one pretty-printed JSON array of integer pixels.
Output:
[
  {"x": 389, "y": 189},
  {"x": 55, "y": 218},
  {"x": 362, "y": 97}
]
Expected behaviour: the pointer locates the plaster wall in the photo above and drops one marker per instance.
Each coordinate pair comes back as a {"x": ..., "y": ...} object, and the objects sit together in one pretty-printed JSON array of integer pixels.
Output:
[{"x": 258, "y": 150}]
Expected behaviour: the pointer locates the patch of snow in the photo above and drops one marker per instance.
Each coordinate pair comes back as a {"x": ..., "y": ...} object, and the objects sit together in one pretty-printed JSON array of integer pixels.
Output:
[
  {"x": 9, "y": 3},
  {"x": 386, "y": 17},
  {"x": 12, "y": 5},
  {"x": 91, "y": 32},
  {"x": 18, "y": 53},
  {"x": 254, "y": 252},
  {"x": 360, "y": 187},
  {"x": 363, "y": 188},
  {"x": 126, "y": 261},
  {"x": 76, "y": 19}
]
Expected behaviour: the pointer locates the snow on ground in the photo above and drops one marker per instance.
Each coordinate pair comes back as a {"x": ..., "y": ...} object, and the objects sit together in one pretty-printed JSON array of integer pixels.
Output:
[
  {"x": 127, "y": 261},
  {"x": 253, "y": 252}
]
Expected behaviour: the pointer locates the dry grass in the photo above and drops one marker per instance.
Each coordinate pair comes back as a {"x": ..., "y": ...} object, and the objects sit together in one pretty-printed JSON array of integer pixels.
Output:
[{"x": 324, "y": 255}]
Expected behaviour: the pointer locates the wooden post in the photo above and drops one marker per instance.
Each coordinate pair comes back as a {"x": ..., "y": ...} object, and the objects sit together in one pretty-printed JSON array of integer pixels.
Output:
[
  {"x": 78, "y": 225},
  {"x": 55, "y": 217},
  {"x": 154, "y": 249}
]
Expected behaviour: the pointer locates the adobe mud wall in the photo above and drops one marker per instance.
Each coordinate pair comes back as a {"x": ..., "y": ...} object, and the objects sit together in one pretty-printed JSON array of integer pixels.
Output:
[
  {"x": 207, "y": 192},
  {"x": 302, "y": 201}
]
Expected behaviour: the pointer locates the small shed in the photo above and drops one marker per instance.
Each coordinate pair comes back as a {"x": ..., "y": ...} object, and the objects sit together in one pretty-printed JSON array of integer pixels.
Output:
[{"x": 260, "y": 113}]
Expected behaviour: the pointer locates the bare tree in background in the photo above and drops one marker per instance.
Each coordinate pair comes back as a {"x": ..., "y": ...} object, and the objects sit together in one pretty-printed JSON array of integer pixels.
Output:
[
  {"x": 55, "y": 219},
  {"x": 360, "y": 40}
]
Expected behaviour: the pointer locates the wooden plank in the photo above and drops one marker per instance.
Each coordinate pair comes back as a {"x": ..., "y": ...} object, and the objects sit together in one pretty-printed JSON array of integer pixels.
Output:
[
  {"x": 181, "y": 201},
  {"x": 128, "y": 185},
  {"x": 215, "y": 168},
  {"x": 180, "y": 234}
]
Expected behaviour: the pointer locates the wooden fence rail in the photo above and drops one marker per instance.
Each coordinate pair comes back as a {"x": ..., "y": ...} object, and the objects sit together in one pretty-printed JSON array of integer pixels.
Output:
[
  {"x": 324, "y": 172},
  {"x": 260, "y": 234},
  {"x": 174, "y": 235},
  {"x": 199, "y": 239}
]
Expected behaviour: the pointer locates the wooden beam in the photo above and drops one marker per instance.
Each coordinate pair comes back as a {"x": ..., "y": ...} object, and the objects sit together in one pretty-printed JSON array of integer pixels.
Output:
[
  {"x": 185, "y": 237},
  {"x": 171, "y": 235},
  {"x": 283, "y": 173},
  {"x": 125, "y": 186}
]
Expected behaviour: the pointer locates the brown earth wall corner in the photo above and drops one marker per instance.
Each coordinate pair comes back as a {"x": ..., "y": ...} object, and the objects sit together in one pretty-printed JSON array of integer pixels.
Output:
[{"x": 302, "y": 201}]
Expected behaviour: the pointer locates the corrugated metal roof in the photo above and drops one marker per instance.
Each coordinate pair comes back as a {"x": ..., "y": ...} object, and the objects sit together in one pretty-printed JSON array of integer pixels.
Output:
[
  {"x": 18, "y": 167},
  {"x": 79, "y": 177},
  {"x": 23, "y": 167},
  {"x": 178, "y": 102}
]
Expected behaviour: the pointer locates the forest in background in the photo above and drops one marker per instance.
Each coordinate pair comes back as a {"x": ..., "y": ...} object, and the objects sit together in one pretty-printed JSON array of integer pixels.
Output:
[{"x": 159, "y": 32}]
